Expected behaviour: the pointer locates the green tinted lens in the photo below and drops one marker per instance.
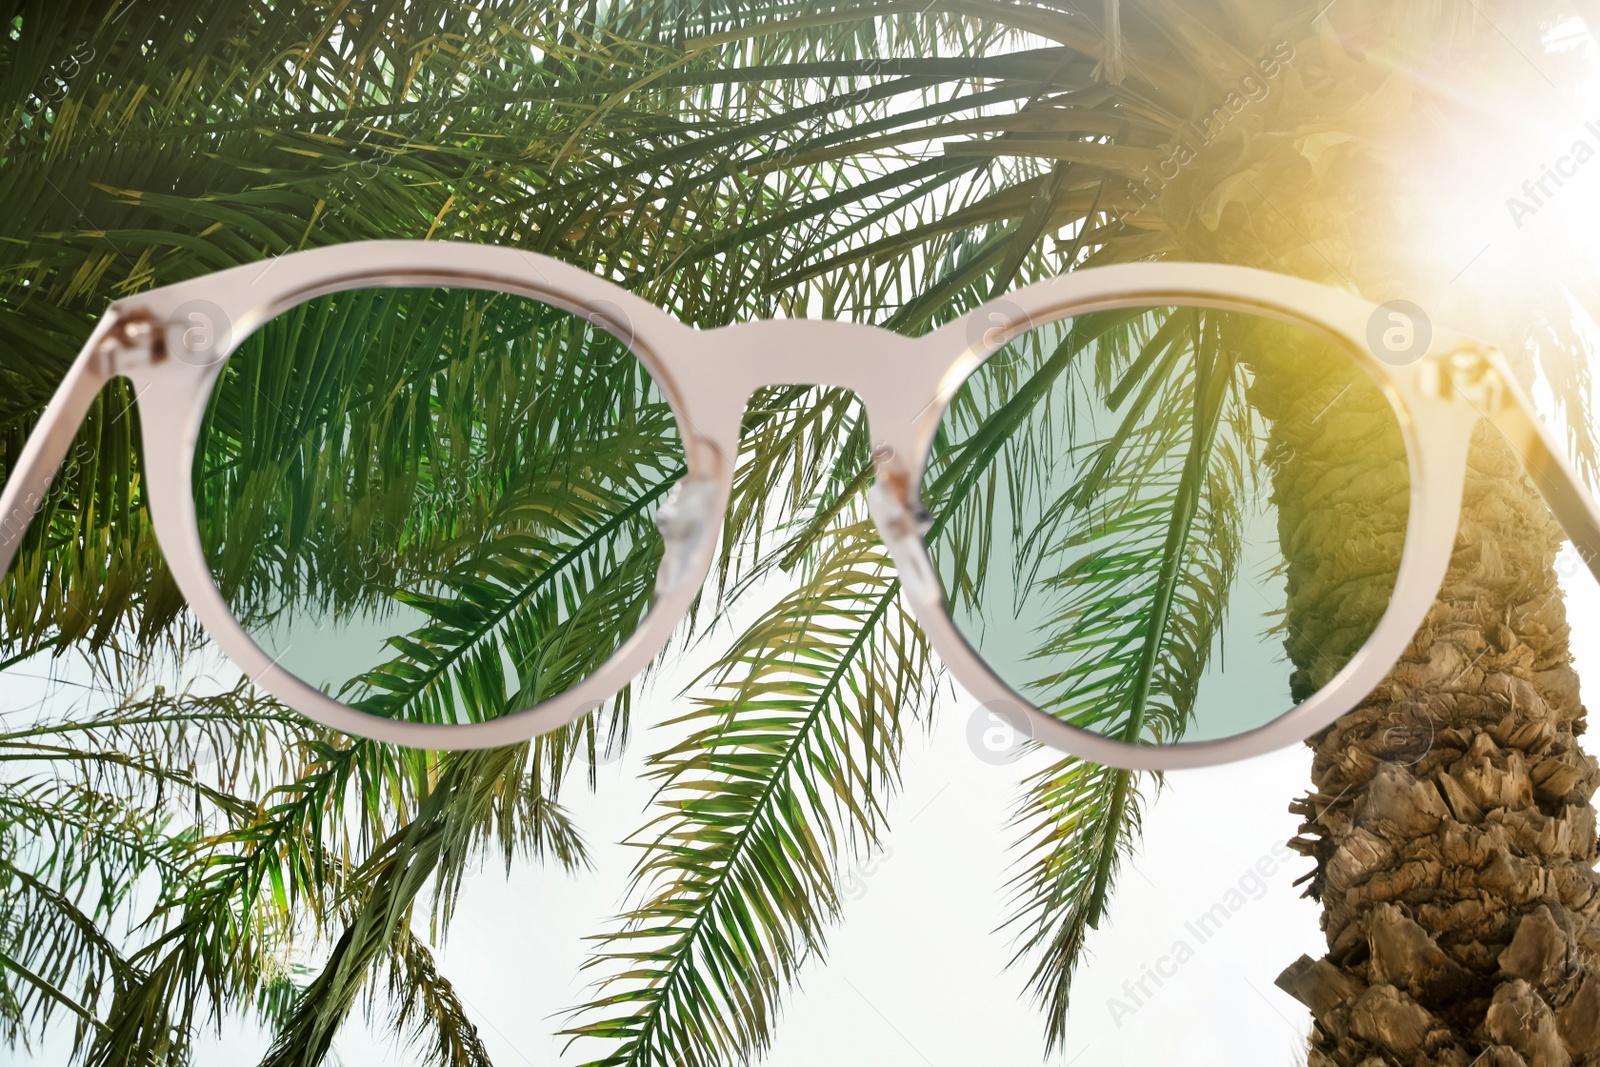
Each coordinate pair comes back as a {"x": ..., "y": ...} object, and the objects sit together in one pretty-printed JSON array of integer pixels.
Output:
[
  {"x": 435, "y": 504},
  {"x": 1169, "y": 523}
]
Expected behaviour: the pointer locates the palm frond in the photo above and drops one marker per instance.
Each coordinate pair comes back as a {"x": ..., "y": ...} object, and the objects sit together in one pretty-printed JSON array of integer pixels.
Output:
[
  {"x": 452, "y": 822},
  {"x": 426, "y": 1003},
  {"x": 1130, "y": 532},
  {"x": 777, "y": 781},
  {"x": 96, "y": 805}
]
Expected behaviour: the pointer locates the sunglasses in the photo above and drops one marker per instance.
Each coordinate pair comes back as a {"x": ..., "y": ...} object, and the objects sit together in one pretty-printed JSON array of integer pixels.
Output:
[{"x": 452, "y": 496}]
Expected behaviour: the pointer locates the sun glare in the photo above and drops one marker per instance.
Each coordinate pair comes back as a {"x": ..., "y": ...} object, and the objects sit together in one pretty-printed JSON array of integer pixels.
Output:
[{"x": 1510, "y": 192}]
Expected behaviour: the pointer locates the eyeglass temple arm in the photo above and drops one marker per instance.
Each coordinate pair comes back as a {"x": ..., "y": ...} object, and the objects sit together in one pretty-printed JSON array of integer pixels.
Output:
[
  {"x": 1542, "y": 456},
  {"x": 28, "y": 482}
]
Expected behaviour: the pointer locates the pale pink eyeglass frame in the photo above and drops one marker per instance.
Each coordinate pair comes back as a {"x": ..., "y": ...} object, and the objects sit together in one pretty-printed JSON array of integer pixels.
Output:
[{"x": 708, "y": 376}]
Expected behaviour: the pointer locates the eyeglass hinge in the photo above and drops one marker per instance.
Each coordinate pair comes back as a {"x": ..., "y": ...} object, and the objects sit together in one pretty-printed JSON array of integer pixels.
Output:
[
  {"x": 1470, "y": 373},
  {"x": 134, "y": 340}
]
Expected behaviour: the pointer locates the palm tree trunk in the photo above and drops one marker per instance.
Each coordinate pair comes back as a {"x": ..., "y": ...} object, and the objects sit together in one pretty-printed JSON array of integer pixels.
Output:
[
  {"x": 1457, "y": 885},
  {"x": 1450, "y": 815}
]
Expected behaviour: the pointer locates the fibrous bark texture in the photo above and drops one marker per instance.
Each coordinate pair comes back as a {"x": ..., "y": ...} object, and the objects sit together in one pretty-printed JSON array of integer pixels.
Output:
[{"x": 1451, "y": 821}]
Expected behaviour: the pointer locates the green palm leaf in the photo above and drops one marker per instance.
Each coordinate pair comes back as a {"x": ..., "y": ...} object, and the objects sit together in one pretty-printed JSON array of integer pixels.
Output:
[
  {"x": 451, "y": 823},
  {"x": 1135, "y": 555},
  {"x": 96, "y": 804},
  {"x": 776, "y": 782}
]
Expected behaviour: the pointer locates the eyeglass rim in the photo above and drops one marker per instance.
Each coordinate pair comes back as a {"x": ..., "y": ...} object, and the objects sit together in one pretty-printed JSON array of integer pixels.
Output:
[{"x": 708, "y": 410}]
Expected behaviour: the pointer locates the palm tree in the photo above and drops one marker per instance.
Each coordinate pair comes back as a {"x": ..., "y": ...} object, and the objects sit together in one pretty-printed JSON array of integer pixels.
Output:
[
  {"x": 153, "y": 152},
  {"x": 657, "y": 144},
  {"x": 139, "y": 151},
  {"x": 1426, "y": 882}
]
